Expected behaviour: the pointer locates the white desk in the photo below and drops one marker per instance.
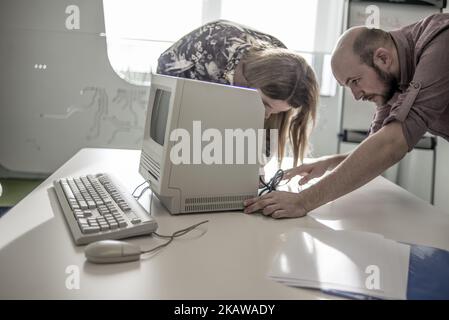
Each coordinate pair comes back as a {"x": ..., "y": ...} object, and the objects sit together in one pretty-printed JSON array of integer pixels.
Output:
[{"x": 228, "y": 258}]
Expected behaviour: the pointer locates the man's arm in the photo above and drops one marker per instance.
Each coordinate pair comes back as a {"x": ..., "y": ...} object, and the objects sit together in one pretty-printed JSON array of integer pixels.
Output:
[
  {"x": 372, "y": 157},
  {"x": 336, "y": 159}
]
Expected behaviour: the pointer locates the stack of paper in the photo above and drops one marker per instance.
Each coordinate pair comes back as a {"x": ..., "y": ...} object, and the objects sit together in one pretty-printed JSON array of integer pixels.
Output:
[{"x": 349, "y": 263}]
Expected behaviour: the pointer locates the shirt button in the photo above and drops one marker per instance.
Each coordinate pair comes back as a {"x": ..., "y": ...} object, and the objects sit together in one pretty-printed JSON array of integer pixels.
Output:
[{"x": 416, "y": 85}]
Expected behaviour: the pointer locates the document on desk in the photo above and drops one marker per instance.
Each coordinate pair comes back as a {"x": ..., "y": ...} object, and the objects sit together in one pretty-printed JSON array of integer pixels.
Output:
[{"x": 348, "y": 263}]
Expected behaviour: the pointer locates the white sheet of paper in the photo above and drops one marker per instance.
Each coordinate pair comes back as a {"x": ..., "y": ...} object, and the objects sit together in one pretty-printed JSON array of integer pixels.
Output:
[{"x": 351, "y": 261}]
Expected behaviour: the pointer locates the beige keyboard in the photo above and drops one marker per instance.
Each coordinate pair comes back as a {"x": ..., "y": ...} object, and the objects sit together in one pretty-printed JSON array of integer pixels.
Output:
[{"x": 96, "y": 207}]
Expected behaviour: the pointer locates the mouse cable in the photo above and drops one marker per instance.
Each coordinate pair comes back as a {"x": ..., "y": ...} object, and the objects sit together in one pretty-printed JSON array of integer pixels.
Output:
[
  {"x": 173, "y": 236},
  {"x": 272, "y": 184}
]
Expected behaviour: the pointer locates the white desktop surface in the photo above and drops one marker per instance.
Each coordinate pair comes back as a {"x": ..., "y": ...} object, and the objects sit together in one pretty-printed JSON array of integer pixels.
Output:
[{"x": 227, "y": 258}]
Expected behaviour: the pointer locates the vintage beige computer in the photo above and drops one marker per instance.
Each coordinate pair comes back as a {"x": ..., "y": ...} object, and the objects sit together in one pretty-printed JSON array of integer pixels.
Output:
[{"x": 202, "y": 144}]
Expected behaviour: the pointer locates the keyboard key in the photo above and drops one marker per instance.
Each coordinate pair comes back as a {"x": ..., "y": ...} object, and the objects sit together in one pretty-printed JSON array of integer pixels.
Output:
[
  {"x": 122, "y": 223},
  {"x": 101, "y": 220},
  {"x": 68, "y": 192},
  {"x": 79, "y": 216},
  {"x": 90, "y": 229},
  {"x": 91, "y": 204},
  {"x": 104, "y": 227},
  {"x": 83, "y": 205},
  {"x": 87, "y": 213},
  {"x": 74, "y": 205},
  {"x": 103, "y": 211},
  {"x": 113, "y": 210}
]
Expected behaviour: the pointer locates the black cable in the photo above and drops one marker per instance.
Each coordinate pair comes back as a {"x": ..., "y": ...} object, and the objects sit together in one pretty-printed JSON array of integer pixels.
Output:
[
  {"x": 272, "y": 184},
  {"x": 173, "y": 236}
]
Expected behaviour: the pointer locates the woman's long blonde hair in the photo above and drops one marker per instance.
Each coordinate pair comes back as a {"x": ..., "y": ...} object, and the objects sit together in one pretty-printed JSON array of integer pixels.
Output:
[{"x": 284, "y": 75}]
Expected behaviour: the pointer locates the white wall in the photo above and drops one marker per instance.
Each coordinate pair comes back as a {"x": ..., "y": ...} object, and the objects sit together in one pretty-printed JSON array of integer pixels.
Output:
[
  {"x": 76, "y": 101},
  {"x": 329, "y": 26},
  {"x": 442, "y": 176},
  {"x": 324, "y": 136},
  {"x": 417, "y": 182}
]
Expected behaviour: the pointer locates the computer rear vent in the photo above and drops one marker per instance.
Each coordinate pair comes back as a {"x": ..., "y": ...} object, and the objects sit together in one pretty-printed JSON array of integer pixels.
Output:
[
  {"x": 216, "y": 203},
  {"x": 150, "y": 164}
]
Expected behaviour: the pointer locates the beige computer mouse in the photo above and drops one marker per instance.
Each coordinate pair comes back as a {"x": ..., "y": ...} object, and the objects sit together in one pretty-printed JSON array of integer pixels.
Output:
[{"x": 112, "y": 251}]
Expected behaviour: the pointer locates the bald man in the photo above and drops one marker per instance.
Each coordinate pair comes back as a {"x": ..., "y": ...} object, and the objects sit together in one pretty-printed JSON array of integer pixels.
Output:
[{"x": 406, "y": 74}]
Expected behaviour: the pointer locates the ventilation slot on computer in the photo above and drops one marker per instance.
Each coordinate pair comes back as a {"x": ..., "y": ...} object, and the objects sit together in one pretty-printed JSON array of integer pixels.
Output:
[
  {"x": 151, "y": 165},
  {"x": 217, "y": 203}
]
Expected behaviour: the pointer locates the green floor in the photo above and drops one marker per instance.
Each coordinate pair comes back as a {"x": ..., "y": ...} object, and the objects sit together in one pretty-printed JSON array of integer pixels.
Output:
[{"x": 15, "y": 190}]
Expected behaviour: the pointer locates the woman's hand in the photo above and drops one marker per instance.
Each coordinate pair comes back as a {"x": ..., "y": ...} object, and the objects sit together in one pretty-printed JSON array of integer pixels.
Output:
[{"x": 277, "y": 204}]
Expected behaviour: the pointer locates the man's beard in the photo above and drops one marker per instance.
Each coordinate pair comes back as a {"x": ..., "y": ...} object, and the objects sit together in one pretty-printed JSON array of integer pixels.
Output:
[{"x": 390, "y": 83}]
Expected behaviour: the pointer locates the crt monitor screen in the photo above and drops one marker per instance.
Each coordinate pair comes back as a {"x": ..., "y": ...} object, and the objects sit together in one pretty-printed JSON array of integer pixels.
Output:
[{"x": 159, "y": 115}]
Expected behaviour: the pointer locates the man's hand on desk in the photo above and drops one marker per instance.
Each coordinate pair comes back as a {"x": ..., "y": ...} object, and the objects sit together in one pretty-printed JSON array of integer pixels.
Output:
[
  {"x": 282, "y": 204},
  {"x": 277, "y": 204}
]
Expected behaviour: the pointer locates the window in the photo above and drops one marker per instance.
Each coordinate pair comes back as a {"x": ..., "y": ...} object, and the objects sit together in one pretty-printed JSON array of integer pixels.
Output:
[
  {"x": 292, "y": 22},
  {"x": 138, "y": 31}
]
